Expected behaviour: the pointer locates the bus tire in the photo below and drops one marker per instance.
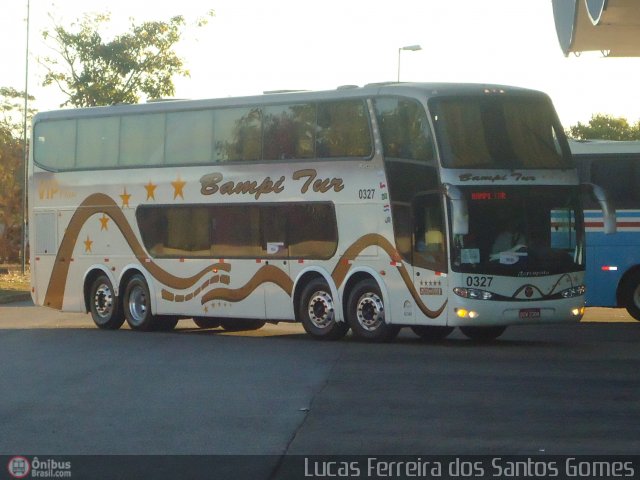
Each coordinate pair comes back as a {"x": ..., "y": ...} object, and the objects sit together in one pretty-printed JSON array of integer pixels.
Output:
[
  {"x": 137, "y": 305},
  {"x": 104, "y": 305},
  {"x": 483, "y": 334},
  {"x": 432, "y": 333},
  {"x": 631, "y": 295},
  {"x": 241, "y": 324},
  {"x": 366, "y": 313},
  {"x": 317, "y": 312},
  {"x": 206, "y": 322}
]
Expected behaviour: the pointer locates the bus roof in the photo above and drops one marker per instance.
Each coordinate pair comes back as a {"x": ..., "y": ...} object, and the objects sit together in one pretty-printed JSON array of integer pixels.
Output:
[
  {"x": 603, "y": 147},
  {"x": 421, "y": 90}
]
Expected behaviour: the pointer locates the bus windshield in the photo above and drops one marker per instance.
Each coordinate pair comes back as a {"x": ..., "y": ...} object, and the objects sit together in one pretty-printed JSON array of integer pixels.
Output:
[
  {"x": 499, "y": 132},
  {"x": 521, "y": 232}
]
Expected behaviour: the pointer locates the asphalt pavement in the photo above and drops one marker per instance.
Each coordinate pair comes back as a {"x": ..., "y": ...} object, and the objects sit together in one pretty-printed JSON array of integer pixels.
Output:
[{"x": 71, "y": 389}]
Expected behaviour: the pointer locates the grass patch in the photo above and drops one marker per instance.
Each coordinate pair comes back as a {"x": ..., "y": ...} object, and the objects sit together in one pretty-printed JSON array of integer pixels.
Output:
[{"x": 14, "y": 285}]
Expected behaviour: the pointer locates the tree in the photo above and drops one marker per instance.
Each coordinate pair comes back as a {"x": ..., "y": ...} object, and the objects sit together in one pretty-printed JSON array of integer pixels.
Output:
[
  {"x": 605, "y": 127},
  {"x": 92, "y": 71},
  {"x": 11, "y": 172}
]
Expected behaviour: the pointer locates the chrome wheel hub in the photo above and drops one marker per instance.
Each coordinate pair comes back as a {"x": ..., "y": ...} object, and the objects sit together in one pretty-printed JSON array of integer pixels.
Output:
[
  {"x": 370, "y": 311},
  {"x": 321, "y": 311},
  {"x": 103, "y": 300},
  {"x": 138, "y": 305}
]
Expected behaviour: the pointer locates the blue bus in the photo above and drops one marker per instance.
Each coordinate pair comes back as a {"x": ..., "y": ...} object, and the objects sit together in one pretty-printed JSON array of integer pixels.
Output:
[{"x": 613, "y": 261}]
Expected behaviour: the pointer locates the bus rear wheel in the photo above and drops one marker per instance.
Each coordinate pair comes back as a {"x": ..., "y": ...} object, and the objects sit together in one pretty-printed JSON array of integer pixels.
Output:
[
  {"x": 432, "y": 333},
  {"x": 104, "y": 306},
  {"x": 366, "y": 313},
  {"x": 483, "y": 334},
  {"x": 631, "y": 295},
  {"x": 137, "y": 305},
  {"x": 317, "y": 312}
]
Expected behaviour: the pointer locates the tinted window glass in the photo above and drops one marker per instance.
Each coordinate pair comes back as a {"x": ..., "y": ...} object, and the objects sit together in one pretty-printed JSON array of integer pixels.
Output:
[
  {"x": 98, "y": 141},
  {"x": 189, "y": 138},
  {"x": 55, "y": 144},
  {"x": 619, "y": 177},
  {"x": 429, "y": 233},
  {"x": 402, "y": 229},
  {"x": 521, "y": 232},
  {"x": 343, "y": 130},
  {"x": 405, "y": 129},
  {"x": 499, "y": 132},
  {"x": 299, "y": 131},
  {"x": 142, "y": 140},
  {"x": 239, "y": 231},
  {"x": 238, "y": 134},
  {"x": 289, "y": 131},
  {"x": 312, "y": 231}
]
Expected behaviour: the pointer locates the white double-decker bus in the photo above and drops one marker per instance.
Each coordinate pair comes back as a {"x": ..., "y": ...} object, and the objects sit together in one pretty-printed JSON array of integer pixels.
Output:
[{"x": 431, "y": 206}]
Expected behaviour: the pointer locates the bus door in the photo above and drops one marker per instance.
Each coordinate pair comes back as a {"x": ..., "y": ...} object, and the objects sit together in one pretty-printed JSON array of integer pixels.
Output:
[
  {"x": 274, "y": 220},
  {"x": 429, "y": 250}
]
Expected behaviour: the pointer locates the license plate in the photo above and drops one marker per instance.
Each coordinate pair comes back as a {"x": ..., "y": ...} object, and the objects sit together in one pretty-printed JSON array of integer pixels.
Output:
[{"x": 528, "y": 313}]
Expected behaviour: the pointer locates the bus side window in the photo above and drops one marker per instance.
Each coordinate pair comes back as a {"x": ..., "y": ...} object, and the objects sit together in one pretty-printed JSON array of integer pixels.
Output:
[
  {"x": 405, "y": 129},
  {"x": 402, "y": 229},
  {"x": 273, "y": 231},
  {"x": 312, "y": 231},
  {"x": 234, "y": 231},
  {"x": 616, "y": 176},
  {"x": 429, "y": 233}
]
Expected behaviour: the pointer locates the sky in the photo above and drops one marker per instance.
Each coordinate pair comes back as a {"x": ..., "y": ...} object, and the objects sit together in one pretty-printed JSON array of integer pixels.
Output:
[{"x": 251, "y": 46}]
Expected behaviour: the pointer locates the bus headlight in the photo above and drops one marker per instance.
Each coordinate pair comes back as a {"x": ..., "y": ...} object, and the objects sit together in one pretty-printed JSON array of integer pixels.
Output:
[
  {"x": 573, "y": 291},
  {"x": 473, "y": 293}
]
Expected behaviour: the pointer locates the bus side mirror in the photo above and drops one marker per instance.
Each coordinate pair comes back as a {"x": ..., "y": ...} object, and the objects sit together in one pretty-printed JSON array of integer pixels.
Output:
[
  {"x": 608, "y": 211},
  {"x": 459, "y": 210}
]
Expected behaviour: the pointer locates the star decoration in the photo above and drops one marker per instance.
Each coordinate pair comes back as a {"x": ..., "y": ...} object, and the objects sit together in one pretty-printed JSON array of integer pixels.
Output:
[
  {"x": 178, "y": 187},
  {"x": 151, "y": 189},
  {"x": 87, "y": 245},
  {"x": 125, "y": 198},
  {"x": 104, "y": 222}
]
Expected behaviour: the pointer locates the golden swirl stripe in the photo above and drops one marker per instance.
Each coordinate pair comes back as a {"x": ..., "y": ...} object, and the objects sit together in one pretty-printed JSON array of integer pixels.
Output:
[
  {"x": 374, "y": 239},
  {"x": 170, "y": 296},
  {"x": 101, "y": 203},
  {"x": 267, "y": 273}
]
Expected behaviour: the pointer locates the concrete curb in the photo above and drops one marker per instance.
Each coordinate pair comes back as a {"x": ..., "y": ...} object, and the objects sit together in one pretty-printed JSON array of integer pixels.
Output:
[{"x": 14, "y": 297}]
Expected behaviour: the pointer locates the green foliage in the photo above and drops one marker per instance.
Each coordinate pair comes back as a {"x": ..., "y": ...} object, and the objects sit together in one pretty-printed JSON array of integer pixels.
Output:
[
  {"x": 605, "y": 127},
  {"x": 11, "y": 172},
  {"x": 93, "y": 71}
]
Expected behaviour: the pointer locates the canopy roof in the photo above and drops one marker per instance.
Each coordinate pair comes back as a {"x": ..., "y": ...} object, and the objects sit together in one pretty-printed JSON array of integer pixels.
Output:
[{"x": 610, "y": 26}]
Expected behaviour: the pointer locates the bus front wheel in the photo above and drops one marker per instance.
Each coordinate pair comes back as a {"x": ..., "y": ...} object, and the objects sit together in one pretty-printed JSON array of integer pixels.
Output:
[
  {"x": 104, "y": 306},
  {"x": 483, "y": 334},
  {"x": 137, "y": 305},
  {"x": 317, "y": 312},
  {"x": 631, "y": 295},
  {"x": 366, "y": 313}
]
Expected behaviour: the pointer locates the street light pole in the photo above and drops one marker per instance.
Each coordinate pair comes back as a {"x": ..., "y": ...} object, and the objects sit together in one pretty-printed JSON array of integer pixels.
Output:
[
  {"x": 26, "y": 150},
  {"x": 411, "y": 48}
]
